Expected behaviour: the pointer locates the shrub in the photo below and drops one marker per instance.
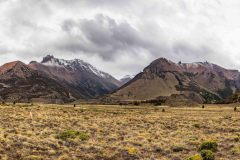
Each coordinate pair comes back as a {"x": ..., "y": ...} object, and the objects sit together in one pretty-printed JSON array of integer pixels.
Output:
[
  {"x": 196, "y": 125},
  {"x": 158, "y": 149},
  {"x": 72, "y": 134},
  {"x": 195, "y": 157},
  {"x": 235, "y": 150},
  {"x": 64, "y": 157},
  {"x": 177, "y": 148},
  {"x": 209, "y": 145},
  {"x": 132, "y": 150},
  {"x": 83, "y": 136},
  {"x": 207, "y": 155},
  {"x": 33, "y": 157}
]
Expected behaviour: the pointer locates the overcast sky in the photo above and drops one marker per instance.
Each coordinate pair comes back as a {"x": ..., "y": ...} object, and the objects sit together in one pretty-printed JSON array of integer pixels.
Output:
[{"x": 121, "y": 36}]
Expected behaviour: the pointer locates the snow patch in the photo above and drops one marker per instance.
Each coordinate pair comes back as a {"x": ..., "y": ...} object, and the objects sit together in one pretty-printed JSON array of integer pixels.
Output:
[{"x": 74, "y": 64}]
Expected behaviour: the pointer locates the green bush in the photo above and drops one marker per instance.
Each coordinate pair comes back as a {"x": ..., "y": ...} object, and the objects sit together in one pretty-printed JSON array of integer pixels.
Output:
[
  {"x": 33, "y": 157},
  {"x": 209, "y": 145},
  {"x": 72, "y": 134},
  {"x": 195, "y": 157},
  {"x": 207, "y": 155}
]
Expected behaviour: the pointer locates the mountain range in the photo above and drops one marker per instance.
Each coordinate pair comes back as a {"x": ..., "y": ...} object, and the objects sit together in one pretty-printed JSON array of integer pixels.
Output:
[
  {"x": 201, "y": 82},
  {"x": 56, "y": 80}
]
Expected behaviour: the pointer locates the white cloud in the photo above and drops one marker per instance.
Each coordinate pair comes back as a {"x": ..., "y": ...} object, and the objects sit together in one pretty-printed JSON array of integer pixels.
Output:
[{"x": 121, "y": 37}]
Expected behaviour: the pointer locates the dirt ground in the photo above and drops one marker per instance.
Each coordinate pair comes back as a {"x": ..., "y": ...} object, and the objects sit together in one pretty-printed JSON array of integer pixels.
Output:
[{"x": 64, "y": 132}]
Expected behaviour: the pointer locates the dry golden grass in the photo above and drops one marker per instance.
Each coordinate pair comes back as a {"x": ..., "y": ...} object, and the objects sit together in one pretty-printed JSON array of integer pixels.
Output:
[{"x": 62, "y": 132}]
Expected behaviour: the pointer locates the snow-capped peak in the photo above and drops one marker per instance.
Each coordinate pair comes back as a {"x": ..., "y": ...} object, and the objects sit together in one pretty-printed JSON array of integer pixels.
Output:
[{"x": 75, "y": 64}]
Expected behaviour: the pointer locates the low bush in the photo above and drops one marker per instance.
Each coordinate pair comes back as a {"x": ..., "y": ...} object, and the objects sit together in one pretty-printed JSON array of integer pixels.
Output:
[
  {"x": 209, "y": 145},
  {"x": 72, "y": 134},
  {"x": 195, "y": 157},
  {"x": 207, "y": 155},
  {"x": 177, "y": 148},
  {"x": 196, "y": 125},
  {"x": 132, "y": 150},
  {"x": 33, "y": 157}
]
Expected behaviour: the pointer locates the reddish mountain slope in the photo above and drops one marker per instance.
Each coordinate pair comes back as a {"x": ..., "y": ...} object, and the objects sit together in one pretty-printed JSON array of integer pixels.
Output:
[
  {"x": 84, "y": 80},
  {"x": 201, "y": 82},
  {"x": 20, "y": 83}
]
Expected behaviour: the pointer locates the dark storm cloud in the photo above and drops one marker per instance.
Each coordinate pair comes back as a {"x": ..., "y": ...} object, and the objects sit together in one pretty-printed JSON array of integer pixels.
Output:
[
  {"x": 101, "y": 35},
  {"x": 108, "y": 38}
]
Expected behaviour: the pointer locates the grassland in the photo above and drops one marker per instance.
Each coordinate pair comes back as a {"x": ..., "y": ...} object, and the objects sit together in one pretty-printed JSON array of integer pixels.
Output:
[{"x": 64, "y": 132}]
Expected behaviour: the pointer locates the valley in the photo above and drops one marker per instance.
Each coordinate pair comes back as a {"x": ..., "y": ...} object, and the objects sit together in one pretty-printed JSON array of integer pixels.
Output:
[{"x": 63, "y": 132}]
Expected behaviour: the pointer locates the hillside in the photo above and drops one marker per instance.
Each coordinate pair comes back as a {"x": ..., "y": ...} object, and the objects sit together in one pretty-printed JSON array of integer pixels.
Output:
[
  {"x": 201, "y": 82},
  {"x": 20, "y": 83},
  {"x": 81, "y": 78}
]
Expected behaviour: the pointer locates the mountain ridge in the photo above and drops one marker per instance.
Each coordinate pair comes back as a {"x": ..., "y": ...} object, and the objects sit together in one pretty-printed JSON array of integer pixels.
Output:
[
  {"x": 18, "y": 82},
  {"x": 202, "y": 82},
  {"x": 82, "y": 78},
  {"x": 69, "y": 80}
]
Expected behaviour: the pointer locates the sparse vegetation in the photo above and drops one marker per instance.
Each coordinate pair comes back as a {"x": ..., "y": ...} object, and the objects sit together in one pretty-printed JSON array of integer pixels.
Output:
[
  {"x": 195, "y": 157},
  {"x": 177, "y": 148},
  {"x": 207, "y": 155},
  {"x": 63, "y": 132},
  {"x": 72, "y": 134},
  {"x": 196, "y": 125},
  {"x": 132, "y": 150},
  {"x": 209, "y": 145}
]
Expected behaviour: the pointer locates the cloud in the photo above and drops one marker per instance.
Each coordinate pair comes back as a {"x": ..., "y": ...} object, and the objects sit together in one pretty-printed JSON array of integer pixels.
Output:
[
  {"x": 121, "y": 37},
  {"x": 108, "y": 38},
  {"x": 101, "y": 35}
]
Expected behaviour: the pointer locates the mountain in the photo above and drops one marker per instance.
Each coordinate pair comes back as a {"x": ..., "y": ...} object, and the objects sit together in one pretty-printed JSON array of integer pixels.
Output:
[
  {"x": 201, "y": 82},
  {"x": 126, "y": 79},
  {"x": 20, "y": 83},
  {"x": 81, "y": 78}
]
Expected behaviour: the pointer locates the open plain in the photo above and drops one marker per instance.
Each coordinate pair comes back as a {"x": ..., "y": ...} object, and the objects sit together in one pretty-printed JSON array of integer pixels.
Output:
[{"x": 64, "y": 132}]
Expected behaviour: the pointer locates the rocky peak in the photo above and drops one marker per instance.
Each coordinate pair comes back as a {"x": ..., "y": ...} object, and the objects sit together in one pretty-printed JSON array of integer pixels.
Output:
[
  {"x": 163, "y": 65},
  {"x": 16, "y": 68},
  {"x": 75, "y": 64}
]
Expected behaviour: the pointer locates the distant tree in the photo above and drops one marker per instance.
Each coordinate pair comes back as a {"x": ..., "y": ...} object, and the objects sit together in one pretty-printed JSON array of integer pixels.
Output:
[
  {"x": 14, "y": 102},
  {"x": 203, "y": 106},
  {"x": 163, "y": 110},
  {"x": 74, "y": 105}
]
